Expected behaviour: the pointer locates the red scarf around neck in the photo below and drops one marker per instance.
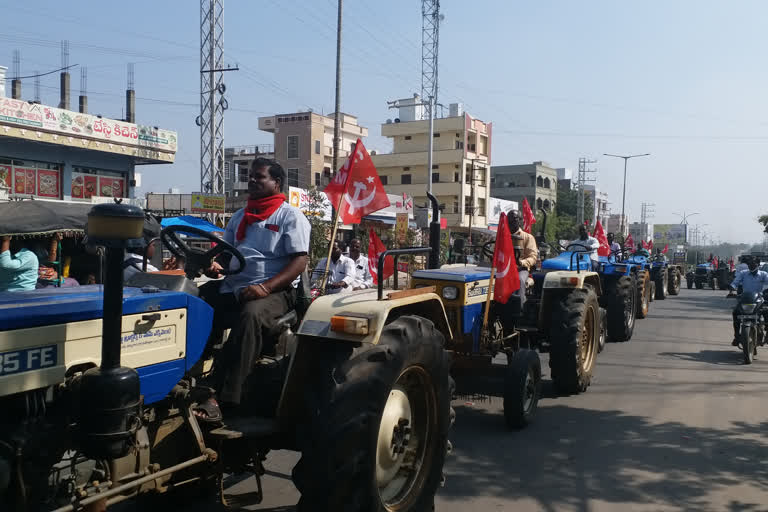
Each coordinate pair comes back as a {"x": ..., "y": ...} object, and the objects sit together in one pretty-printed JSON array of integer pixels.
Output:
[{"x": 258, "y": 210}]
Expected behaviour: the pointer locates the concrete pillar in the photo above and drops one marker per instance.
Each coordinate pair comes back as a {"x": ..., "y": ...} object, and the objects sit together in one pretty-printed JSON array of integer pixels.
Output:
[
  {"x": 64, "y": 101},
  {"x": 83, "y": 109},
  {"x": 16, "y": 89},
  {"x": 130, "y": 106}
]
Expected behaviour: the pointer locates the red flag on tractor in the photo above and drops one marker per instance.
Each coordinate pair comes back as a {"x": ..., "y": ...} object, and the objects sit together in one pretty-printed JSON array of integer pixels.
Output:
[
  {"x": 650, "y": 245},
  {"x": 666, "y": 248},
  {"x": 356, "y": 189},
  {"x": 375, "y": 249},
  {"x": 629, "y": 243},
  {"x": 645, "y": 244},
  {"x": 528, "y": 219},
  {"x": 599, "y": 233},
  {"x": 715, "y": 262},
  {"x": 507, "y": 280}
]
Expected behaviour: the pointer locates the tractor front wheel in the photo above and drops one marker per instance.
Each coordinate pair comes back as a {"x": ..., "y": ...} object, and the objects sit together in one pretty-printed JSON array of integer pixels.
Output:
[
  {"x": 522, "y": 388},
  {"x": 619, "y": 302},
  {"x": 662, "y": 280},
  {"x": 379, "y": 422},
  {"x": 574, "y": 334},
  {"x": 643, "y": 297},
  {"x": 673, "y": 285}
]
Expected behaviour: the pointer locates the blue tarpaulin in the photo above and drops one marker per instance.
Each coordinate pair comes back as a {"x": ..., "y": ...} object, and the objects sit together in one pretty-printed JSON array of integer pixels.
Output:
[{"x": 188, "y": 220}]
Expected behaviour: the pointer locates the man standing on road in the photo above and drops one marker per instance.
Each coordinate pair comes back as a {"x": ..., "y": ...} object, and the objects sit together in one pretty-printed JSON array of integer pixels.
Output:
[
  {"x": 589, "y": 243},
  {"x": 341, "y": 272},
  {"x": 752, "y": 280},
  {"x": 525, "y": 247},
  {"x": 364, "y": 279},
  {"x": 615, "y": 247},
  {"x": 273, "y": 237}
]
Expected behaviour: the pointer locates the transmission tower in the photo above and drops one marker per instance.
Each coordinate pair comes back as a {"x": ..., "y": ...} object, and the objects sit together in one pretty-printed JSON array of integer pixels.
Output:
[
  {"x": 646, "y": 212},
  {"x": 430, "y": 41},
  {"x": 212, "y": 101},
  {"x": 581, "y": 183}
]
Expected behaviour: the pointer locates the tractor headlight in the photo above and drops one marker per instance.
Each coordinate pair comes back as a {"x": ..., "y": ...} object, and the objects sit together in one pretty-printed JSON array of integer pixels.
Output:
[
  {"x": 450, "y": 292},
  {"x": 748, "y": 308}
]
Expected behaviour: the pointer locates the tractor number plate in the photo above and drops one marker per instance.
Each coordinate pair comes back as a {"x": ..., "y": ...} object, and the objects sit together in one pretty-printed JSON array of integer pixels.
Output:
[
  {"x": 27, "y": 360},
  {"x": 478, "y": 290}
]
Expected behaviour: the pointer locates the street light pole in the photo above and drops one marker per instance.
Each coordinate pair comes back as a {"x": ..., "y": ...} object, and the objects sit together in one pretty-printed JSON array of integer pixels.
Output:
[{"x": 624, "y": 191}]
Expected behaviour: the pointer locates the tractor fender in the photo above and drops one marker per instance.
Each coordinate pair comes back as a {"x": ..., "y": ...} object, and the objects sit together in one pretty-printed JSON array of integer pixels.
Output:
[{"x": 558, "y": 282}]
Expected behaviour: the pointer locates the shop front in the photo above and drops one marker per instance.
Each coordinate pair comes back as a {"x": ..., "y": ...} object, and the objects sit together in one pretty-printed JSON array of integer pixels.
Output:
[{"x": 50, "y": 153}]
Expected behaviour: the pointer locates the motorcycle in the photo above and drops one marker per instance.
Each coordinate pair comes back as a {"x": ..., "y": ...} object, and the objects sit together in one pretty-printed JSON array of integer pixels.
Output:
[{"x": 749, "y": 314}]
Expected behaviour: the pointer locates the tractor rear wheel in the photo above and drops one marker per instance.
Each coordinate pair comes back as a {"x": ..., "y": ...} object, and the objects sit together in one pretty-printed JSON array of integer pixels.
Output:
[
  {"x": 574, "y": 333},
  {"x": 662, "y": 279},
  {"x": 699, "y": 285},
  {"x": 379, "y": 422},
  {"x": 619, "y": 302},
  {"x": 643, "y": 293},
  {"x": 673, "y": 283},
  {"x": 522, "y": 388}
]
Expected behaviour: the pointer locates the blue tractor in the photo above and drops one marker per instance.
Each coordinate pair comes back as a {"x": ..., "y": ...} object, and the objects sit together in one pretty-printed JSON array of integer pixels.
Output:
[{"x": 644, "y": 285}]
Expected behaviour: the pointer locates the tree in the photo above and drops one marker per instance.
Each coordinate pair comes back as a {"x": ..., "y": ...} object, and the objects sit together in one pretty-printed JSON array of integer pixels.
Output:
[
  {"x": 763, "y": 219},
  {"x": 319, "y": 237}
]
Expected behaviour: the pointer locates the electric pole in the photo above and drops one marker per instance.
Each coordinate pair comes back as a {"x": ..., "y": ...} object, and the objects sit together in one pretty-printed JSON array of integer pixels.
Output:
[
  {"x": 581, "y": 182},
  {"x": 337, "y": 114},
  {"x": 646, "y": 212},
  {"x": 624, "y": 188}
]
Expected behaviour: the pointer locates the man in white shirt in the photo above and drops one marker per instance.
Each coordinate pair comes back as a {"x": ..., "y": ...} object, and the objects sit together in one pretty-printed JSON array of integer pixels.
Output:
[
  {"x": 363, "y": 277},
  {"x": 589, "y": 243},
  {"x": 341, "y": 272},
  {"x": 134, "y": 258},
  {"x": 273, "y": 237},
  {"x": 615, "y": 247}
]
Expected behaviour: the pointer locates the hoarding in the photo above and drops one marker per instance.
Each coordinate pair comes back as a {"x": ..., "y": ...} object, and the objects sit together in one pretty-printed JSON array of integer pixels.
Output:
[
  {"x": 74, "y": 124},
  {"x": 496, "y": 206},
  {"x": 672, "y": 234},
  {"x": 299, "y": 198},
  {"x": 202, "y": 203},
  {"x": 401, "y": 227}
]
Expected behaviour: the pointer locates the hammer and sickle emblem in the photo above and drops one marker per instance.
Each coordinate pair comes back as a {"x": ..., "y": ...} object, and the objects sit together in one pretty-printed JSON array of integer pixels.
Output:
[
  {"x": 501, "y": 275},
  {"x": 355, "y": 202}
]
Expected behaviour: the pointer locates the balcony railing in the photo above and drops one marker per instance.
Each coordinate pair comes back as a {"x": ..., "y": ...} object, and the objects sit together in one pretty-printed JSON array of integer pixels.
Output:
[{"x": 257, "y": 149}]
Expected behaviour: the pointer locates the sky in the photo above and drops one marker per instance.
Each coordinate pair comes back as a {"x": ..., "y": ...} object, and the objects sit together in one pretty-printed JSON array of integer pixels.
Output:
[{"x": 560, "y": 80}]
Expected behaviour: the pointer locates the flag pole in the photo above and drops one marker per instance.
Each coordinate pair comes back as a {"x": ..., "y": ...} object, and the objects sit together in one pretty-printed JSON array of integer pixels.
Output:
[
  {"x": 488, "y": 301},
  {"x": 330, "y": 245}
]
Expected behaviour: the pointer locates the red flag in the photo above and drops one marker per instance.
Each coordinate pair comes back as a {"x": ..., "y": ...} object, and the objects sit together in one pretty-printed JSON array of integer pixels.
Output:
[
  {"x": 666, "y": 248},
  {"x": 375, "y": 249},
  {"x": 359, "y": 184},
  {"x": 645, "y": 244},
  {"x": 714, "y": 262},
  {"x": 507, "y": 280},
  {"x": 599, "y": 233},
  {"x": 528, "y": 219},
  {"x": 628, "y": 242},
  {"x": 650, "y": 245}
]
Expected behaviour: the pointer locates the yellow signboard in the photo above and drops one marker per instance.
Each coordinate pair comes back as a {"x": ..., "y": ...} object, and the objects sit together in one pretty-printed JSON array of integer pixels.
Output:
[
  {"x": 208, "y": 204},
  {"x": 401, "y": 227}
]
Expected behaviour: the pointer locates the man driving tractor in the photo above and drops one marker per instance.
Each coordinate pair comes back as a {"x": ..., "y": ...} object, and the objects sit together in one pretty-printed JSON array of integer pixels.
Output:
[
  {"x": 274, "y": 239},
  {"x": 526, "y": 250}
]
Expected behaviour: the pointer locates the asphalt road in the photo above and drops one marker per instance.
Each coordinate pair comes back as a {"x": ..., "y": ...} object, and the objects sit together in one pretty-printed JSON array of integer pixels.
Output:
[{"x": 673, "y": 421}]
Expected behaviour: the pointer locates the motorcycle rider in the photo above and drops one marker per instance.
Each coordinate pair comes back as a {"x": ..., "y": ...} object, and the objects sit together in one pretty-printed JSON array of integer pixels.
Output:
[
  {"x": 588, "y": 242},
  {"x": 743, "y": 264},
  {"x": 752, "y": 280}
]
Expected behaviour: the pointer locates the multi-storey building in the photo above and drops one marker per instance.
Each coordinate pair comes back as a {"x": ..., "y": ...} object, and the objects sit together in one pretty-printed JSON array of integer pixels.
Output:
[
  {"x": 460, "y": 165},
  {"x": 536, "y": 182}
]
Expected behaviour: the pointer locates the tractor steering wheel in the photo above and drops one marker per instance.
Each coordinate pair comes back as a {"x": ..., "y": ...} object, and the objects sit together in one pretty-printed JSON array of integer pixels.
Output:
[
  {"x": 197, "y": 259},
  {"x": 488, "y": 249},
  {"x": 579, "y": 246}
]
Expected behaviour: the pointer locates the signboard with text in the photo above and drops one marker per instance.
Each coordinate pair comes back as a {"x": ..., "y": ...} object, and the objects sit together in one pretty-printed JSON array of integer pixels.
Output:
[
  {"x": 202, "y": 203},
  {"x": 401, "y": 227},
  {"x": 672, "y": 234}
]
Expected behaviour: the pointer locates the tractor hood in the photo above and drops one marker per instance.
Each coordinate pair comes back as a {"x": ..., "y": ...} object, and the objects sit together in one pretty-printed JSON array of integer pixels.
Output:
[{"x": 567, "y": 261}]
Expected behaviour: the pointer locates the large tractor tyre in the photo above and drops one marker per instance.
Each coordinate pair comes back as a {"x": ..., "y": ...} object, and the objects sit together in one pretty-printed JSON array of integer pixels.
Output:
[
  {"x": 574, "y": 334},
  {"x": 379, "y": 424},
  {"x": 603, "y": 338},
  {"x": 643, "y": 294},
  {"x": 619, "y": 302},
  {"x": 662, "y": 280},
  {"x": 673, "y": 282},
  {"x": 522, "y": 388}
]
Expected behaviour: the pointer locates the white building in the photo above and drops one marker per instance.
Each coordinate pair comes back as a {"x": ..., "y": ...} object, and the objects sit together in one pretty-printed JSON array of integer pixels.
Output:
[{"x": 3, "y": 69}]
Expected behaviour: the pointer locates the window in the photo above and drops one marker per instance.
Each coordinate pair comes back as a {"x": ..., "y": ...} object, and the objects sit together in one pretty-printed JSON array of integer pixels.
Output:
[
  {"x": 317, "y": 179},
  {"x": 457, "y": 135},
  {"x": 539, "y": 181},
  {"x": 406, "y": 168},
  {"x": 384, "y": 179},
  {"x": 435, "y": 177},
  {"x": 88, "y": 183},
  {"x": 317, "y": 147},
  {"x": 227, "y": 171},
  {"x": 293, "y": 177},
  {"x": 539, "y": 203},
  {"x": 306, "y": 118},
  {"x": 456, "y": 177},
  {"x": 546, "y": 204},
  {"x": 405, "y": 179},
  {"x": 435, "y": 135},
  {"x": 481, "y": 207},
  {"x": 352, "y": 147},
  {"x": 468, "y": 205},
  {"x": 455, "y": 204},
  {"x": 546, "y": 184},
  {"x": 436, "y": 166},
  {"x": 407, "y": 137},
  {"x": 293, "y": 147},
  {"x": 459, "y": 144}
]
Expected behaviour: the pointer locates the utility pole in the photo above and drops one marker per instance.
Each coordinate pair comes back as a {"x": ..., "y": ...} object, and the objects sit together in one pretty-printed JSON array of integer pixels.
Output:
[
  {"x": 581, "y": 181},
  {"x": 624, "y": 190},
  {"x": 337, "y": 114},
  {"x": 430, "y": 44},
  {"x": 646, "y": 212}
]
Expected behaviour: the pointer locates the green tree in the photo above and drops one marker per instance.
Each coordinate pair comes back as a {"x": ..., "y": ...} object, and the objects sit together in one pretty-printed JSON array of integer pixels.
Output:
[
  {"x": 321, "y": 229},
  {"x": 763, "y": 219}
]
